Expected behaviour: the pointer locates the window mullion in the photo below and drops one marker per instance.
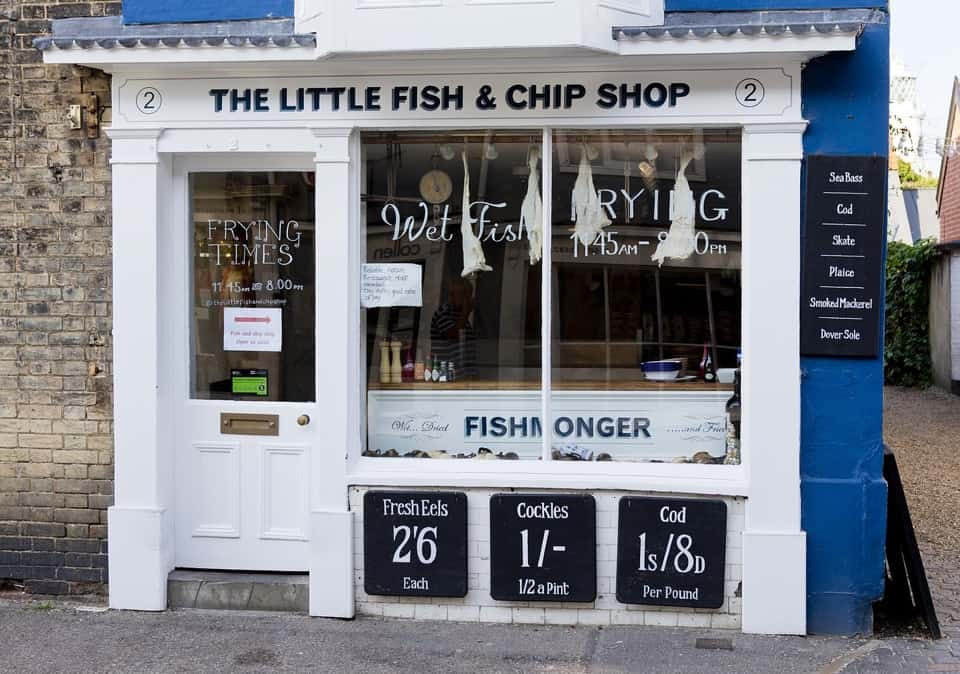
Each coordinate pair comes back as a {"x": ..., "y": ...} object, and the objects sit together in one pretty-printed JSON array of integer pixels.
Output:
[{"x": 546, "y": 305}]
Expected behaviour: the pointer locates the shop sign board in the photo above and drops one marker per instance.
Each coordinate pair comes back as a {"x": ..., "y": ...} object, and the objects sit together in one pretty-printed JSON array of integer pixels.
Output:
[
  {"x": 627, "y": 94},
  {"x": 671, "y": 552},
  {"x": 543, "y": 547},
  {"x": 658, "y": 425},
  {"x": 843, "y": 269},
  {"x": 415, "y": 543}
]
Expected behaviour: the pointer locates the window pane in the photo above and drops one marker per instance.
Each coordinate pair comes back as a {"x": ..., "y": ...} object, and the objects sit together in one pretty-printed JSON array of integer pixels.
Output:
[
  {"x": 475, "y": 328},
  {"x": 252, "y": 327},
  {"x": 646, "y": 276}
]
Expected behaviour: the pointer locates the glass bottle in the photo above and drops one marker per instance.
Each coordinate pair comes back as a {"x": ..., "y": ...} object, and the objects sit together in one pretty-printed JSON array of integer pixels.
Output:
[
  {"x": 435, "y": 375},
  {"x": 443, "y": 372},
  {"x": 408, "y": 366},
  {"x": 428, "y": 369},
  {"x": 732, "y": 456},
  {"x": 709, "y": 369},
  {"x": 418, "y": 367}
]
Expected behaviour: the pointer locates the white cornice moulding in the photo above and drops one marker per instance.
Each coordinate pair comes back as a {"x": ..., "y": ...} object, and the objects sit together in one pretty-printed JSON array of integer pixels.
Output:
[{"x": 134, "y": 145}]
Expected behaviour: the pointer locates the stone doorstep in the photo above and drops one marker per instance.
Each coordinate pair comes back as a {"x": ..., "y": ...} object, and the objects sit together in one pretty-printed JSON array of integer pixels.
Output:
[{"x": 238, "y": 591}]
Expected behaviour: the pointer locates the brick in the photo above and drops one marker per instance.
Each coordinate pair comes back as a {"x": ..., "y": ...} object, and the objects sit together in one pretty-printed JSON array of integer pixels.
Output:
[
  {"x": 47, "y": 587},
  {"x": 77, "y": 515},
  {"x": 33, "y": 558},
  {"x": 42, "y": 529},
  {"x": 81, "y": 574},
  {"x": 74, "y": 545}
]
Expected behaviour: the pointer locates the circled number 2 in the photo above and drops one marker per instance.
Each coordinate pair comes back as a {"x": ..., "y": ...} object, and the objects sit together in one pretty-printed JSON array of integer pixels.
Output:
[
  {"x": 149, "y": 100},
  {"x": 750, "y": 93}
]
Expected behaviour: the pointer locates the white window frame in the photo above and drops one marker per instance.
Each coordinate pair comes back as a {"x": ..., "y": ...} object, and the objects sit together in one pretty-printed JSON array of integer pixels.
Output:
[{"x": 546, "y": 473}]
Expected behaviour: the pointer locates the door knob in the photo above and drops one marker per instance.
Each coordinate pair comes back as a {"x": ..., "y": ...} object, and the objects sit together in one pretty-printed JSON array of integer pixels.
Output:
[{"x": 303, "y": 419}]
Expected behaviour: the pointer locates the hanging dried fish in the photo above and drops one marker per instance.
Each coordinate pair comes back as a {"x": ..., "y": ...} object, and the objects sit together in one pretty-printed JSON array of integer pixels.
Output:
[
  {"x": 473, "y": 257},
  {"x": 531, "y": 211},
  {"x": 588, "y": 213},
  {"x": 680, "y": 243}
]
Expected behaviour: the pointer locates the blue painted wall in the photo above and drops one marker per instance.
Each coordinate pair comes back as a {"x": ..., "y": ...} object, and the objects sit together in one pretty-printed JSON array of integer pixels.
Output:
[
  {"x": 845, "y": 98},
  {"x": 155, "y": 11},
  {"x": 730, "y": 5},
  {"x": 164, "y": 11}
]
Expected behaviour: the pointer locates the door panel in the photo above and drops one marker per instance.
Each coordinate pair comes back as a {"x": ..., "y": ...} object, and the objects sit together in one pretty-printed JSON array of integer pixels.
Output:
[
  {"x": 215, "y": 508},
  {"x": 284, "y": 492},
  {"x": 246, "y": 265}
]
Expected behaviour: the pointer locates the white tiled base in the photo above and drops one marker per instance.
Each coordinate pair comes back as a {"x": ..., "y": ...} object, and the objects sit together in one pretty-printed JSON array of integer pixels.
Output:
[{"x": 479, "y": 606}]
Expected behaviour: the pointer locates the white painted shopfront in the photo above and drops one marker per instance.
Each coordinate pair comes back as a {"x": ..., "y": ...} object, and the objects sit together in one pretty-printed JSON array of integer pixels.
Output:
[{"x": 316, "y": 119}]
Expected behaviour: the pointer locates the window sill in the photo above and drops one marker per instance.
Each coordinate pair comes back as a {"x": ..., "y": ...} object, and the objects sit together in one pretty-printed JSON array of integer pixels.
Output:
[{"x": 568, "y": 475}]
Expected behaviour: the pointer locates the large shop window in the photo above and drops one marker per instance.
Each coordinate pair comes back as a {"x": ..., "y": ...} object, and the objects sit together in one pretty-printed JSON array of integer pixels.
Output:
[{"x": 639, "y": 266}]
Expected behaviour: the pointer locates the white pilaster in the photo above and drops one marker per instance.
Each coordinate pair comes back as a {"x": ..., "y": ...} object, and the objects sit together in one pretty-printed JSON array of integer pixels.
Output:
[
  {"x": 338, "y": 343},
  {"x": 774, "y": 546},
  {"x": 140, "y": 524}
]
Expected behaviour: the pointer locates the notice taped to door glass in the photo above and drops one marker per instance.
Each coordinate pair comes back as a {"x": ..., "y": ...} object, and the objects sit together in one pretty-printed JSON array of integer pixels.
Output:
[
  {"x": 252, "y": 329},
  {"x": 249, "y": 382},
  {"x": 391, "y": 285}
]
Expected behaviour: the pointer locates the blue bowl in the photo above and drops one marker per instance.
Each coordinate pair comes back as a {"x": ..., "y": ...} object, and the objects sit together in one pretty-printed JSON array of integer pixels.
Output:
[{"x": 661, "y": 369}]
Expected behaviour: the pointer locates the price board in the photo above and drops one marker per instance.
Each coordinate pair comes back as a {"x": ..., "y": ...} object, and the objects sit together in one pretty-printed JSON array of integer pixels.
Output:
[
  {"x": 842, "y": 302},
  {"x": 415, "y": 543},
  {"x": 543, "y": 547},
  {"x": 671, "y": 552}
]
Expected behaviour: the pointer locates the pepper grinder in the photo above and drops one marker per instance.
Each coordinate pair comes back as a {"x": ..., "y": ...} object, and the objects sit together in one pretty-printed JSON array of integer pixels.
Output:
[
  {"x": 396, "y": 367},
  {"x": 384, "y": 362}
]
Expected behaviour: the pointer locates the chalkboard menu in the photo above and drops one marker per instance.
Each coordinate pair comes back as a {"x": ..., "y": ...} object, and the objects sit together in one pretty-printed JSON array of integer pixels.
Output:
[
  {"x": 415, "y": 543},
  {"x": 543, "y": 547},
  {"x": 840, "y": 307},
  {"x": 671, "y": 552}
]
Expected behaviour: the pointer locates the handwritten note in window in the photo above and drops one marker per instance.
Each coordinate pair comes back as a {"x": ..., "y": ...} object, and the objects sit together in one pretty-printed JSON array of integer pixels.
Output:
[{"x": 391, "y": 285}]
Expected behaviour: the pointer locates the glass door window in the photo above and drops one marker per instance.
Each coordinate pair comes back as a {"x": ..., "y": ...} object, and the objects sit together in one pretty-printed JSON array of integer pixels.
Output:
[{"x": 253, "y": 310}]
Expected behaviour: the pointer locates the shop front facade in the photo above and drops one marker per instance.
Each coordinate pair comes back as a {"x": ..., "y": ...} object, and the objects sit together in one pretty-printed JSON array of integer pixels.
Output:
[{"x": 501, "y": 311}]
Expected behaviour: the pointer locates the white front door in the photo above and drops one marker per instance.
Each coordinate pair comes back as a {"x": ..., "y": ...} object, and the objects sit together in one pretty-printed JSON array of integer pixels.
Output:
[{"x": 246, "y": 415}]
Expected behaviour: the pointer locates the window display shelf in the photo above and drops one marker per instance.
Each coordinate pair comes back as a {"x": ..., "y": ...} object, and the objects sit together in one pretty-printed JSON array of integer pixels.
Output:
[{"x": 491, "y": 385}]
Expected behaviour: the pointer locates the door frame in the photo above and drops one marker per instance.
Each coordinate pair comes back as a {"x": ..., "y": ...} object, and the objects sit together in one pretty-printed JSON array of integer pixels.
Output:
[
  {"x": 142, "y": 522},
  {"x": 176, "y": 308}
]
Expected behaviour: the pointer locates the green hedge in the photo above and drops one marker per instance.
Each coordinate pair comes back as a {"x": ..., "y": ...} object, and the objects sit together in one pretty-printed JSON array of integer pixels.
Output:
[{"x": 906, "y": 359}]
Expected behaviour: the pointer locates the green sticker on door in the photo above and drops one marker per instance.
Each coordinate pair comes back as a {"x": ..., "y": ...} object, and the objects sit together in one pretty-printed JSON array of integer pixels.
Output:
[{"x": 249, "y": 382}]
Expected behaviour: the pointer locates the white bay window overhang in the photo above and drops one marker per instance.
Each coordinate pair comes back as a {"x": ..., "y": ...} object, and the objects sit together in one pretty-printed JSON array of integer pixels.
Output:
[
  {"x": 371, "y": 26},
  {"x": 108, "y": 44}
]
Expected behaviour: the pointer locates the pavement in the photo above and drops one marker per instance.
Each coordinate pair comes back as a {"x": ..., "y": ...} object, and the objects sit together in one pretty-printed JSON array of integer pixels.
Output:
[
  {"x": 80, "y": 635},
  {"x": 39, "y": 635}
]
